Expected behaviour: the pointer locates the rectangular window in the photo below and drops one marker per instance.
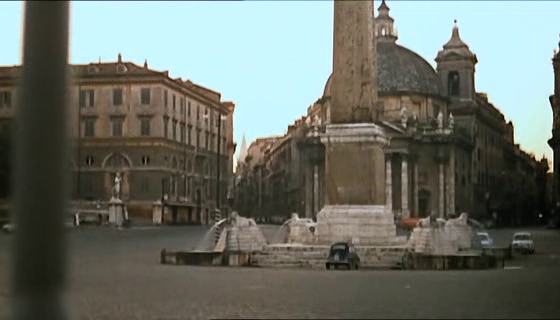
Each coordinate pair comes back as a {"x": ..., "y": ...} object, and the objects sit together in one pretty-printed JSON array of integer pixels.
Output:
[
  {"x": 173, "y": 101},
  {"x": 145, "y": 96},
  {"x": 145, "y": 126},
  {"x": 197, "y": 138},
  {"x": 189, "y": 108},
  {"x": 165, "y": 127},
  {"x": 207, "y": 140},
  {"x": 117, "y": 127},
  {"x": 182, "y": 138},
  {"x": 5, "y": 99},
  {"x": 87, "y": 98},
  {"x": 189, "y": 135},
  {"x": 165, "y": 93},
  {"x": 198, "y": 112},
  {"x": 89, "y": 128},
  {"x": 174, "y": 129},
  {"x": 117, "y": 96},
  {"x": 211, "y": 148}
]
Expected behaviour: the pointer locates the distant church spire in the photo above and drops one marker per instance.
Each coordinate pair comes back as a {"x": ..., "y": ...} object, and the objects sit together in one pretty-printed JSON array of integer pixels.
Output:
[{"x": 243, "y": 151}]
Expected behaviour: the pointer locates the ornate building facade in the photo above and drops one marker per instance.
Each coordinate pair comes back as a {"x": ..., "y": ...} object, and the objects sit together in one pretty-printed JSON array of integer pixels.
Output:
[
  {"x": 450, "y": 149},
  {"x": 160, "y": 133}
]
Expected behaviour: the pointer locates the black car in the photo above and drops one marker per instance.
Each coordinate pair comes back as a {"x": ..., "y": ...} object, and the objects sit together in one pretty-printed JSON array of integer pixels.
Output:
[{"x": 343, "y": 254}]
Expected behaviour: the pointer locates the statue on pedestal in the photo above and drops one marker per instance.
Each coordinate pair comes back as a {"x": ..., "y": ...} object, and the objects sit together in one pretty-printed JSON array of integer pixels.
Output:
[
  {"x": 451, "y": 121},
  {"x": 117, "y": 186},
  {"x": 440, "y": 120},
  {"x": 404, "y": 116}
]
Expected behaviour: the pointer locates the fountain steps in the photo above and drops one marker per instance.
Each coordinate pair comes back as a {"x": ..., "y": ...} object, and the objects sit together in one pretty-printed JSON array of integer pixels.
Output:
[{"x": 315, "y": 256}]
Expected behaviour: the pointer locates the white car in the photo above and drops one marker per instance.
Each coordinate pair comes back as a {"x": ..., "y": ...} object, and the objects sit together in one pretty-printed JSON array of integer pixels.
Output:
[
  {"x": 523, "y": 242},
  {"x": 485, "y": 239},
  {"x": 9, "y": 228}
]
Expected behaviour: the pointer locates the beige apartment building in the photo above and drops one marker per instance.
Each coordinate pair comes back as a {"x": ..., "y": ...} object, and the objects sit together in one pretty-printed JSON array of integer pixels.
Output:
[{"x": 161, "y": 134}]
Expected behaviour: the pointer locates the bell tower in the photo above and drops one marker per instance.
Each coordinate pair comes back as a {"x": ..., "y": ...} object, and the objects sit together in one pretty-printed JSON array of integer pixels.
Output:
[{"x": 456, "y": 67}]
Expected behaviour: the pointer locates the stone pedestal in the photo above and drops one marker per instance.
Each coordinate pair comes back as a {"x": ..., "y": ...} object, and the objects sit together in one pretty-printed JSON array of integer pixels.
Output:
[
  {"x": 360, "y": 224},
  {"x": 157, "y": 212},
  {"x": 355, "y": 186},
  {"x": 117, "y": 211},
  {"x": 355, "y": 164}
]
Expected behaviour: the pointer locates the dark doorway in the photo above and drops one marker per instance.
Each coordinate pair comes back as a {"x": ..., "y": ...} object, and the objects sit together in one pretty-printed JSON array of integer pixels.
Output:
[
  {"x": 174, "y": 214},
  {"x": 423, "y": 203}
]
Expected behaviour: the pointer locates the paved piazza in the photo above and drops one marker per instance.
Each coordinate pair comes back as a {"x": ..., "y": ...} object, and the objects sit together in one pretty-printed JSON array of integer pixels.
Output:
[{"x": 117, "y": 275}]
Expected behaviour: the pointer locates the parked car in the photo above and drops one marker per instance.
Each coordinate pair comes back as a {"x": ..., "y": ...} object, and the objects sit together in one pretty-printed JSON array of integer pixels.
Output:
[
  {"x": 523, "y": 242},
  {"x": 8, "y": 228},
  {"x": 343, "y": 254},
  {"x": 485, "y": 239}
]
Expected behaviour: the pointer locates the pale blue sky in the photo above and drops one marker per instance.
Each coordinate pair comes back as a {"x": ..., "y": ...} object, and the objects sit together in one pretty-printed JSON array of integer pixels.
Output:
[{"x": 273, "y": 58}]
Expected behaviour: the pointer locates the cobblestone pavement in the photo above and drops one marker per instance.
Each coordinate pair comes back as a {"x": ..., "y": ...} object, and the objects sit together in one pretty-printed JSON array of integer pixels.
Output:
[{"x": 116, "y": 275}]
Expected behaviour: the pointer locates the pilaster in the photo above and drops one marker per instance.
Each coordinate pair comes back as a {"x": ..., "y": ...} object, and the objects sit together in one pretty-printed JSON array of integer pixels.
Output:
[
  {"x": 416, "y": 188},
  {"x": 316, "y": 207},
  {"x": 388, "y": 182},
  {"x": 441, "y": 193},
  {"x": 404, "y": 186},
  {"x": 451, "y": 184},
  {"x": 308, "y": 192}
]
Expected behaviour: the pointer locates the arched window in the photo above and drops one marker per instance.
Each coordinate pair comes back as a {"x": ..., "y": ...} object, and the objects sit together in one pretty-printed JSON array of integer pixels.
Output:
[
  {"x": 117, "y": 161},
  {"x": 453, "y": 82}
]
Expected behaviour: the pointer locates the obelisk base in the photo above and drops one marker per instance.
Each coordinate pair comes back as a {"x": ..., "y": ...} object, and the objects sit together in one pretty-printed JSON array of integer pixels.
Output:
[
  {"x": 359, "y": 224},
  {"x": 355, "y": 183}
]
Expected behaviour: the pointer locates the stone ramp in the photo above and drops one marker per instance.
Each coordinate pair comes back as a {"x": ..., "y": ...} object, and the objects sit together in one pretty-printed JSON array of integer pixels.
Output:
[{"x": 315, "y": 256}]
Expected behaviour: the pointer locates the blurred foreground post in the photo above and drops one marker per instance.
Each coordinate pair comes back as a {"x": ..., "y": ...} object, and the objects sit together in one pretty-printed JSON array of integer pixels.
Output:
[{"x": 41, "y": 163}]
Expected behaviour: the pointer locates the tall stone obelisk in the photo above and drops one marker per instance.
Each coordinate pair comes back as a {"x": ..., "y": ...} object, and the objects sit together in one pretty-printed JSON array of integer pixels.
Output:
[
  {"x": 355, "y": 161},
  {"x": 354, "y": 80}
]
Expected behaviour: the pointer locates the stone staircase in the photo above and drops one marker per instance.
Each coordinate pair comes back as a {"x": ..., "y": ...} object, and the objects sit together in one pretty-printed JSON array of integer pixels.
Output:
[{"x": 315, "y": 256}]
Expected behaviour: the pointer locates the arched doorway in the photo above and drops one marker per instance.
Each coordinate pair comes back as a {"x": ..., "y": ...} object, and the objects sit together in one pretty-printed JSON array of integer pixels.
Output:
[
  {"x": 423, "y": 203},
  {"x": 113, "y": 163}
]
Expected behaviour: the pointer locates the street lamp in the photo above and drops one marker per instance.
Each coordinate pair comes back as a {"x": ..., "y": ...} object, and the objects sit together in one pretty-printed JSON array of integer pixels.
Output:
[{"x": 221, "y": 117}]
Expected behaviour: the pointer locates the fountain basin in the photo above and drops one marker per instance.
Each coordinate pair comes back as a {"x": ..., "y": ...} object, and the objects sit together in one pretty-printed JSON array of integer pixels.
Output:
[
  {"x": 461, "y": 261},
  {"x": 207, "y": 258},
  {"x": 194, "y": 258}
]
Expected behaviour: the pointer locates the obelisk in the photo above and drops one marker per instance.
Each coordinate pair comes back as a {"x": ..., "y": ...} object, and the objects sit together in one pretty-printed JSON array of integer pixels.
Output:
[
  {"x": 354, "y": 159},
  {"x": 354, "y": 77}
]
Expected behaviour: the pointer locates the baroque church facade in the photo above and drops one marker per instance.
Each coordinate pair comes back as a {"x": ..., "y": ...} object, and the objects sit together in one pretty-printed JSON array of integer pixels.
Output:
[{"x": 450, "y": 149}]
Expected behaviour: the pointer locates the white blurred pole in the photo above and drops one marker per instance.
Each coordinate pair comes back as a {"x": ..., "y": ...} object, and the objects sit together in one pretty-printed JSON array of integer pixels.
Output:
[{"x": 41, "y": 163}]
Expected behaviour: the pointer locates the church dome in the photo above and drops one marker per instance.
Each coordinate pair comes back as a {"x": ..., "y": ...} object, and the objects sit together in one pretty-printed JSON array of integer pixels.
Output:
[{"x": 400, "y": 70}]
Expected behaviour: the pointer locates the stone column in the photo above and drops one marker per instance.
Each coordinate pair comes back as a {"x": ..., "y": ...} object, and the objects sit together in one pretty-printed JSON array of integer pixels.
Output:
[
  {"x": 451, "y": 181},
  {"x": 416, "y": 188},
  {"x": 316, "y": 189},
  {"x": 308, "y": 192},
  {"x": 388, "y": 183},
  {"x": 404, "y": 186},
  {"x": 441, "y": 192}
]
